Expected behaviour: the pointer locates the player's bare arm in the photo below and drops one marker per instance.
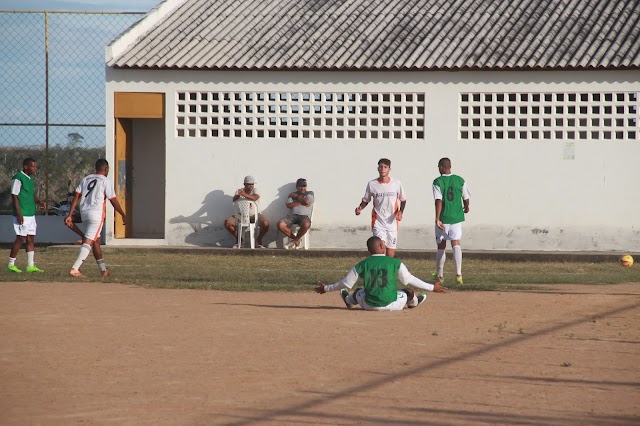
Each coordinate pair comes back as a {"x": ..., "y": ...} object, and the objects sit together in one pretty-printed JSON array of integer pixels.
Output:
[
  {"x": 362, "y": 205},
  {"x": 16, "y": 205},
  {"x": 69, "y": 219},
  {"x": 116, "y": 206},
  {"x": 400, "y": 212},
  {"x": 439, "y": 288},
  {"x": 438, "y": 212},
  {"x": 41, "y": 204}
]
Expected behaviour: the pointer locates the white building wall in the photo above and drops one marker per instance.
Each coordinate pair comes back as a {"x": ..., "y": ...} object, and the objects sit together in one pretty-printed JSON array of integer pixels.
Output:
[{"x": 526, "y": 195}]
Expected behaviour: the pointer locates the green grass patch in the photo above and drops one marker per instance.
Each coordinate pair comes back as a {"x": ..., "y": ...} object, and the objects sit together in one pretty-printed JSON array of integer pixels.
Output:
[{"x": 286, "y": 273}]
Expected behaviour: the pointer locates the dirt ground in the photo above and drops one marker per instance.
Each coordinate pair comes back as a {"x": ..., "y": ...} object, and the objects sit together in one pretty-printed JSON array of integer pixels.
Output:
[{"x": 126, "y": 355}]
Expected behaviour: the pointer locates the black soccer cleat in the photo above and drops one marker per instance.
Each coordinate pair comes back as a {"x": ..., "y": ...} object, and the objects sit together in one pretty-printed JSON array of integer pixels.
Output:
[
  {"x": 421, "y": 298},
  {"x": 344, "y": 293}
]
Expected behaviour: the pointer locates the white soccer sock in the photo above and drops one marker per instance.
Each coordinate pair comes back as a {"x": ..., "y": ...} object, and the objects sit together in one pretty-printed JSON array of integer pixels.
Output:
[
  {"x": 457, "y": 259},
  {"x": 12, "y": 261},
  {"x": 30, "y": 256},
  {"x": 440, "y": 258},
  {"x": 351, "y": 298},
  {"x": 102, "y": 265},
  {"x": 84, "y": 252},
  {"x": 413, "y": 302}
]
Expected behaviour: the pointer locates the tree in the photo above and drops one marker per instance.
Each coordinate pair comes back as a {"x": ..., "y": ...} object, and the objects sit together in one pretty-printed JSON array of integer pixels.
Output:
[{"x": 75, "y": 140}]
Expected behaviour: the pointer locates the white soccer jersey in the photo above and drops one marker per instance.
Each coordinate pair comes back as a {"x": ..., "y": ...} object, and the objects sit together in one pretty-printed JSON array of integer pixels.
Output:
[
  {"x": 386, "y": 202},
  {"x": 94, "y": 190}
]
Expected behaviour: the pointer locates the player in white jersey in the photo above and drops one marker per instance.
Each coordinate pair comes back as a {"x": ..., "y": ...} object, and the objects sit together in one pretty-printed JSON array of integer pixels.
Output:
[
  {"x": 389, "y": 200},
  {"x": 93, "y": 192}
]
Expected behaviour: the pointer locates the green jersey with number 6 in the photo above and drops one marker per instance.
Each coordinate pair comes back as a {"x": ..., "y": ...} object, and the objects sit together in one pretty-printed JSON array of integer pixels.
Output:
[
  {"x": 451, "y": 190},
  {"x": 379, "y": 274}
]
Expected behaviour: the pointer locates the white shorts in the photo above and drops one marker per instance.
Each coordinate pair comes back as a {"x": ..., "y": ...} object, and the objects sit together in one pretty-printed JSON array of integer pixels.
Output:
[
  {"x": 398, "y": 305},
  {"x": 389, "y": 237},
  {"x": 27, "y": 228},
  {"x": 93, "y": 223},
  {"x": 451, "y": 232}
]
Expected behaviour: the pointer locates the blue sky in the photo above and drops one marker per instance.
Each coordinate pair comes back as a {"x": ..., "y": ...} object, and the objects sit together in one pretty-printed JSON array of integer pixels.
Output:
[
  {"x": 81, "y": 5},
  {"x": 76, "y": 66}
]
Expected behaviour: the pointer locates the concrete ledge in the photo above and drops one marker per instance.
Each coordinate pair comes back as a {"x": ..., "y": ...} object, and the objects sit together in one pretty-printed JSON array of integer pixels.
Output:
[{"x": 499, "y": 255}]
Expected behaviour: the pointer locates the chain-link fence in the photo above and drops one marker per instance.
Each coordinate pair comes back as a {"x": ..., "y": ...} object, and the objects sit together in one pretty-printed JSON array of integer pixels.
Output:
[{"x": 52, "y": 96}]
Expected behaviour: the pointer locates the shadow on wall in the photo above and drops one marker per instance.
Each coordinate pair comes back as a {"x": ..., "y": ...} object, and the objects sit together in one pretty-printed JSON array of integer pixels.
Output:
[
  {"x": 275, "y": 211},
  {"x": 208, "y": 223},
  {"x": 208, "y": 227}
]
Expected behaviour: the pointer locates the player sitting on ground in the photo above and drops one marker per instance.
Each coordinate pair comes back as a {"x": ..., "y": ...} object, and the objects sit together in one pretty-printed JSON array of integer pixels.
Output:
[{"x": 380, "y": 292}]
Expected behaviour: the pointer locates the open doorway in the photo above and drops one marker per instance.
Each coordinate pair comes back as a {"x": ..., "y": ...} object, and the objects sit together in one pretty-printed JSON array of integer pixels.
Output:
[{"x": 139, "y": 169}]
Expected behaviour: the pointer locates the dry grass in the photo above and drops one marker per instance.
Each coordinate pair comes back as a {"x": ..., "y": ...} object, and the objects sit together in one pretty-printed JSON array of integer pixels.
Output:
[{"x": 285, "y": 273}]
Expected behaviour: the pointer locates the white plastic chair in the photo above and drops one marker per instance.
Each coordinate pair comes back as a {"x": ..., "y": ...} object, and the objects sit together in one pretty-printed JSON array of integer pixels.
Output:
[
  {"x": 305, "y": 238},
  {"x": 247, "y": 209}
]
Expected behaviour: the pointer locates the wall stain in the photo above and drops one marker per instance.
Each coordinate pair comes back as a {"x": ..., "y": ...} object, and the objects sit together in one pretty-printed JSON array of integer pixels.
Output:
[{"x": 539, "y": 231}]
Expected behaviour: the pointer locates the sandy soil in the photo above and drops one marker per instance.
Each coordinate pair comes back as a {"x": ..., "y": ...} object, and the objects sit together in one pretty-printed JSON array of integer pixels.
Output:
[{"x": 118, "y": 354}]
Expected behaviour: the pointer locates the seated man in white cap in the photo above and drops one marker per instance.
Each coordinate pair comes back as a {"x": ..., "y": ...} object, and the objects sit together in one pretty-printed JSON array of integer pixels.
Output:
[
  {"x": 300, "y": 204},
  {"x": 248, "y": 192}
]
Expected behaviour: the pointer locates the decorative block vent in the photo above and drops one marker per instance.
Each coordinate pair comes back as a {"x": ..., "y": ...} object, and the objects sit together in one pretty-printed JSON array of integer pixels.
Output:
[
  {"x": 549, "y": 116},
  {"x": 304, "y": 115}
]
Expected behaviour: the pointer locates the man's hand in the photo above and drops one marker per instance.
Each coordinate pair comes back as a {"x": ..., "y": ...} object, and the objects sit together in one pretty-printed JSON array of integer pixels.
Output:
[
  {"x": 399, "y": 215},
  {"x": 320, "y": 289},
  {"x": 20, "y": 218},
  {"x": 124, "y": 219},
  {"x": 69, "y": 220},
  {"x": 439, "y": 288},
  {"x": 358, "y": 210},
  {"x": 466, "y": 209},
  {"x": 439, "y": 224}
]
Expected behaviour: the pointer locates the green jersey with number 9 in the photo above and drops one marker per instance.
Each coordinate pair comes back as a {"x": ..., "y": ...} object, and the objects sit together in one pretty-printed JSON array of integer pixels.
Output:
[{"x": 379, "y": 274}]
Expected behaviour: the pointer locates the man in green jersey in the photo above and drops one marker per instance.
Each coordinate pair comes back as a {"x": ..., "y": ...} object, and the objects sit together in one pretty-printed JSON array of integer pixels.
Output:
[
  {"x": 380, "y": 274},
  {"x": 24, "y": 204},
  {"x": 452, "y": 202}
]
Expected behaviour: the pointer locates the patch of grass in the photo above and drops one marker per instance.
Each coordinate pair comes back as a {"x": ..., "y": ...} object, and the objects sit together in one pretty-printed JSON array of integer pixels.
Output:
[{"x": 285, "y": 273}]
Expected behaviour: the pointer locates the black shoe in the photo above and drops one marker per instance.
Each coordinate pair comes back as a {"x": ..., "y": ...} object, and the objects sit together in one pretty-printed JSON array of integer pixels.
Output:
[
  {"x": 344, "y": 293},
  {"x": 421, "y": 298}
]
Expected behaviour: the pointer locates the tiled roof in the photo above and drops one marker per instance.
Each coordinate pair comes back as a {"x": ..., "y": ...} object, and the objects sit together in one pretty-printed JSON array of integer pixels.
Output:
[{"x": 388, "y": 35}]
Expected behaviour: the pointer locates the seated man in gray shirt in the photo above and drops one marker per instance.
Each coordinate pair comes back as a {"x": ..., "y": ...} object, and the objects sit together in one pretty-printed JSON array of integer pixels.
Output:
[{"x": 301, "y": 205}]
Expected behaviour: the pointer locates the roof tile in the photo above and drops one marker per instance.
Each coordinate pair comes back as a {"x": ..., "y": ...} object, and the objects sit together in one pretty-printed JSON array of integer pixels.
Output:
[{"x": 391, "y": 35}]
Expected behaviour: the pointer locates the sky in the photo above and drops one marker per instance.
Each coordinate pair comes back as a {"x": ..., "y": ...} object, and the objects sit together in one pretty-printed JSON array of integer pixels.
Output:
[
  {"x": 81, "y": 5},
  {"x": 76, "y": 66}
]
